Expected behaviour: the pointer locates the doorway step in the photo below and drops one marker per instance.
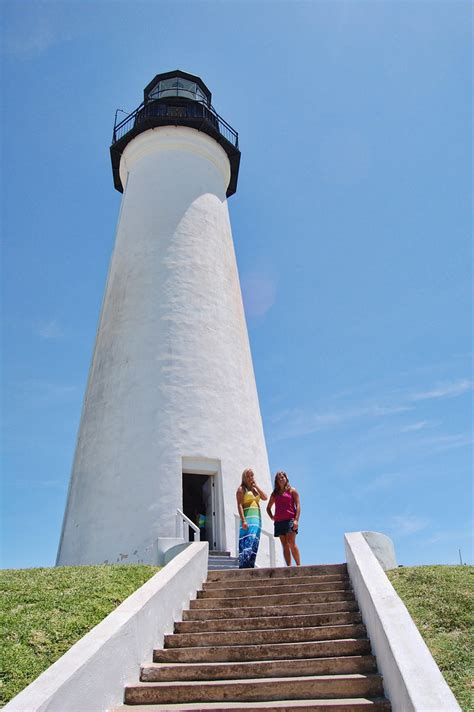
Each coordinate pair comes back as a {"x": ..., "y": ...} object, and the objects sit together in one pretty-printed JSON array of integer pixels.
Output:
[
  {"x": 219, "y": 560},
  {"x": 278, "y": 639}
]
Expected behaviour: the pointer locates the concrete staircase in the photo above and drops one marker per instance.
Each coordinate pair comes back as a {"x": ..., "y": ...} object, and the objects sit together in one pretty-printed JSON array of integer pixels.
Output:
[
  {"x": 277, "y": 639},
  {"x": 219, "y": 560}
]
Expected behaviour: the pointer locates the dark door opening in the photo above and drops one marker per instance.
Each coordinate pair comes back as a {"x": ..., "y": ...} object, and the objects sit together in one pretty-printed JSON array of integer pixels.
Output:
[{"x": 198, "y": 505}]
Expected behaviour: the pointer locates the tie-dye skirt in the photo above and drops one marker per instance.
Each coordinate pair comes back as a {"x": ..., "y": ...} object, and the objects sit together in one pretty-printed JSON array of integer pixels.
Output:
[{"x": 249, "y": 539}]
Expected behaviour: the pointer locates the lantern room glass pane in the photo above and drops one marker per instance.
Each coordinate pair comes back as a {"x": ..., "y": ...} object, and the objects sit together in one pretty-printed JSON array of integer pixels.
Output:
[
  {"x": 200, "y": 94},
  {"x": 177, "y": 86}
]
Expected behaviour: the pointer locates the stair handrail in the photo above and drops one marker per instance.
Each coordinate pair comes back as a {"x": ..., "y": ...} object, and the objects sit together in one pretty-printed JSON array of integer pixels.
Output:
[
  {"x": 271, "y": 541},
  {"x": 271, "y": 547},
  {"x": 181, "y": 522}
]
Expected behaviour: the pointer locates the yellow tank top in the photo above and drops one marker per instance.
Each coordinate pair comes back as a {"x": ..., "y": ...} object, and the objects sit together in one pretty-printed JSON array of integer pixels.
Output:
[{"x": 250, "y": 504}]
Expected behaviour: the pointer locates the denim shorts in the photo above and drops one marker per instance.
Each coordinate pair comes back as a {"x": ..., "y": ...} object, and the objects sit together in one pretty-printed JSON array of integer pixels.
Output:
[{"x": 284, "y": 527}]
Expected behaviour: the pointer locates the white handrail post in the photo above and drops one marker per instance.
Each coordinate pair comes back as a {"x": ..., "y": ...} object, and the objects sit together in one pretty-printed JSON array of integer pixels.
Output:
[
  {"x": 271, "y": 543},
  {"x": 237, "y": 533},
  {"x": 185, "y": 523}
]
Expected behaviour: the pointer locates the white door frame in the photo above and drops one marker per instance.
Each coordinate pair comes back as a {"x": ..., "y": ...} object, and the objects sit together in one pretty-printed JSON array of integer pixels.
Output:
[{"x": 212, "y": 468}]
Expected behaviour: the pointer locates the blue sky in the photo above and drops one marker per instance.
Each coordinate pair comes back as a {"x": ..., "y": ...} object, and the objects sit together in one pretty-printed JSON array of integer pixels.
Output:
[{"x": 352, "y": 227}]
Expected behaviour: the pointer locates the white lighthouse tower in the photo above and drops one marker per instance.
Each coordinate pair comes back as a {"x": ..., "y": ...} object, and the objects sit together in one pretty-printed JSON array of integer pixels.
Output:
[{"x": 171, "y": 415}]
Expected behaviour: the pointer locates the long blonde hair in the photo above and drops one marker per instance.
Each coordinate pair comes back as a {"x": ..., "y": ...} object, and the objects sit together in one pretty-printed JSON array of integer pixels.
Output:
[{"x": 244, "y": 475}]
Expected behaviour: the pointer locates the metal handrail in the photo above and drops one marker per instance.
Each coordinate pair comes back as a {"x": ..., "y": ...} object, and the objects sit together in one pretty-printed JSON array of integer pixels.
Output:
[
  {"x": 271, "y": 547},
  {"x": 271, "y": 541},
  {"x": 125, "y": 125},
  {"x": 181, "y": 522}
]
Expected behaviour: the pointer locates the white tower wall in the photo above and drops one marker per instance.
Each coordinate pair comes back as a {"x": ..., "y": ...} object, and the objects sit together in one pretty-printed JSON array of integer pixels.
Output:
[{"x": 171, "y": 376}]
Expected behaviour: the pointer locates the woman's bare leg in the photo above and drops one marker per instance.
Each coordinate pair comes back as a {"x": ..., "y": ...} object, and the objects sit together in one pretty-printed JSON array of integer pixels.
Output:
[
  {"x": 291, "y": 543},
  {"x": 286, "y": 549}
]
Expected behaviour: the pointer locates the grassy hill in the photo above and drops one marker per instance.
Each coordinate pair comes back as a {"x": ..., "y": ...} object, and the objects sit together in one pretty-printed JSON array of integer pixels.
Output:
[
  {"x": 45, "y": 611},
  {"x": 440, "y": 600}
]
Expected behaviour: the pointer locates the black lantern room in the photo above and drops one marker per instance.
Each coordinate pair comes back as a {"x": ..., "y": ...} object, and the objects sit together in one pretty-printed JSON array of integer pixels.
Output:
[{"x": 176, "y": 99}]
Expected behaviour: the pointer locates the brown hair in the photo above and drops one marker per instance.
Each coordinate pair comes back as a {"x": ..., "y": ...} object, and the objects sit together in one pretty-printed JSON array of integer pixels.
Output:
[{"x": 287, "y": 486}]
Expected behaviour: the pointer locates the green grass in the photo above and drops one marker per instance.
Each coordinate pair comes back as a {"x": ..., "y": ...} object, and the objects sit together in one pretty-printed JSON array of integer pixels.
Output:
[
  {"x": 440, "y": 600},
  {"x": 44, "y": 611}
]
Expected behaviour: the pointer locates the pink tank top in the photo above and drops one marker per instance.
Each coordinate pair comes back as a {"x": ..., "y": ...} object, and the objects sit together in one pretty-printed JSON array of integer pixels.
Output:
[{"x": 284, "y": 507}]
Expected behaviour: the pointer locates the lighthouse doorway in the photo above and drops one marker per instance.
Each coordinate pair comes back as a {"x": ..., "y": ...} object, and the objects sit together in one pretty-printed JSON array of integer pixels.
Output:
[{"x": 199, "y": 505}]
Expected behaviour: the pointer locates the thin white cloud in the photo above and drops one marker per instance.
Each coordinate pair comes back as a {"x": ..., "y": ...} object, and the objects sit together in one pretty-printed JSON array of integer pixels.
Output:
[
  {"x": 378, "y": 410},
  {"x": 49, "y": 329},
  {"x": 457, "y": 535},
  {"x": 295, "y": 423},
  {"x": 407, "y": 524},
  {"x": 447, "y": 442},
  {"x": 31, "y": 33},
  {"x": 446, "y": 390},
  {"x": 414, "y": 427},
  {"x": 50, "y": 483},
  {"x": 35, "y": 393},
  {"x": 32, "y": 43}
]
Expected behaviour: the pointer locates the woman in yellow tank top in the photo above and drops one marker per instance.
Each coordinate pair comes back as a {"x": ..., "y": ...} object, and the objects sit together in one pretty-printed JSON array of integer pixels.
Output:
[{"x": 249, "y": 495}]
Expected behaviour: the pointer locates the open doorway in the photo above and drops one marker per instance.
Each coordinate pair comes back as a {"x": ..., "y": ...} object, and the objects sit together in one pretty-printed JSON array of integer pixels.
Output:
[{"x": 199, "y": 505}]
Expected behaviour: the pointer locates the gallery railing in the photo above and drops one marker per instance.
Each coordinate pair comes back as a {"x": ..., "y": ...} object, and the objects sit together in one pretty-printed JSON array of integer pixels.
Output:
[{"x": 192, "y": 112}]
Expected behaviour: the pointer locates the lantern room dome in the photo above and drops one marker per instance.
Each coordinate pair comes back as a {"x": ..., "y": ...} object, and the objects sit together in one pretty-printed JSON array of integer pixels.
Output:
[{"x": 177, "y": 83}]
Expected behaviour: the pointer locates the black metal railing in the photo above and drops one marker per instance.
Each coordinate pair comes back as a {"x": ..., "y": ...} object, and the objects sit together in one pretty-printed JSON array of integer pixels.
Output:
[{"x": 182, "y": 112}]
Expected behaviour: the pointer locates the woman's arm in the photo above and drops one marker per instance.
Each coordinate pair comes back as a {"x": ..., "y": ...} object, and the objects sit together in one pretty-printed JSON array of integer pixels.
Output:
[
  {"x": 296, "y": 500},
  {"x": 270, "y": 505},
  {"x": 262, "y": 494},
  {"x": 240, "y": 509}
]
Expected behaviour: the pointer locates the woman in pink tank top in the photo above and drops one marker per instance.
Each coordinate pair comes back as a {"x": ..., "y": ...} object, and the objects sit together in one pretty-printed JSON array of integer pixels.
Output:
[{"x": 286, "y": 516}]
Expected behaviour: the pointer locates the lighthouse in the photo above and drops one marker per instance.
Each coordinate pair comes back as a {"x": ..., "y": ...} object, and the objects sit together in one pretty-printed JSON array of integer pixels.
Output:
[{"x": 171, "y": 415}]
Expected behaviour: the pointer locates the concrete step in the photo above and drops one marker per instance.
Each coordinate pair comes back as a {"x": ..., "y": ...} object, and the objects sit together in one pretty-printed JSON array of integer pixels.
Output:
[
  {"x": 227, "y": 584},
  {"x": 222, "y": 563},
  {"x": 264, "y": 611},
  {"x": 161, "y": 672},
  {"x": 222, "y": 567},
  {"x": 253, "y": 601},
  {"x": 280, "y": 572},
  {"x": 262, "y": 637},
  {"x": 295, "y": 621},
  {"x": 275, "y": 589},
  {"x": 269, "y": 651},
  {"x": 214, "y": 552},
  {"x": 277, "y": 688},
  {"x": 335, "y": 705}
]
